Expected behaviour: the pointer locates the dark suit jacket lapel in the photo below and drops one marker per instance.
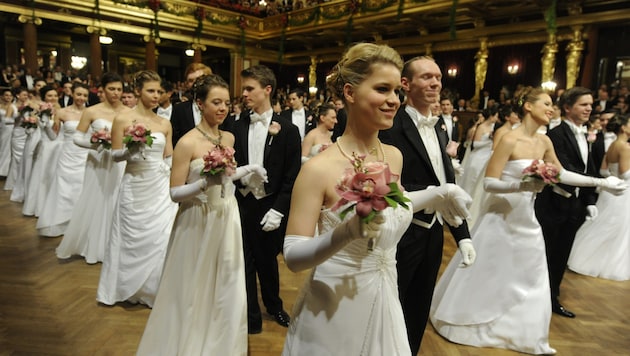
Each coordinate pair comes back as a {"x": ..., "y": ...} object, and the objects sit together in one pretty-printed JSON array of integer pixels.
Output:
[
  {"x": 574, "y": 145},
  {"x": 449, "y": 172},
  {"x": 411, "y": 133},
  {"x": 241, "y": 128}
]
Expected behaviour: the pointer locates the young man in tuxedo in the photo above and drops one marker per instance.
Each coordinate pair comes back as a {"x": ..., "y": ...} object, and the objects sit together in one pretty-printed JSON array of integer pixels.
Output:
[
  {"x": 298, "y": 114},
  {"x": 267, "y": 139},
  {"x": 65, "y": 99},
  {"x": 451, "y": 122},
  {"x": 426, "y": 165},
  {"x": 185, "y": 116},
  {"x": 561, "y": 209}
]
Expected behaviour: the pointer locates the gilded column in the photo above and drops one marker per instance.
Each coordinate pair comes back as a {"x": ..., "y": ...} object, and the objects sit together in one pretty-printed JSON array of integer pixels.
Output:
[
  {"x": 428, "y": 49},
  {"x": 236, "y": 66},
  {"x": 549, "y": 59},
  {"x": 312, "y": 76},
  {"x": 574, "y": 56},
  {"x": 481, "y": 67},
  {"x": 199, "y": 48},
  {"x": 96, "y": 55}
]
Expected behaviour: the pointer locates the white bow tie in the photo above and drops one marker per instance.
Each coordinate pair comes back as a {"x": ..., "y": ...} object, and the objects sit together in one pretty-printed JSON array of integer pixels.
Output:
[
  {"x": 427, "y": 121},
  {"x": 254, "y": 118},
  {"x": 581, "y": 130}
]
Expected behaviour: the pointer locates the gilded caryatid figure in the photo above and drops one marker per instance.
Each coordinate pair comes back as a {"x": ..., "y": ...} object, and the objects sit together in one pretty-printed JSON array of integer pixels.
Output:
[
  {"x": 312, "y": 75},
  {"x": 574, "y": 57},
  {"x": 549, "y": 58},
  {"x": 481, "y": 67}
]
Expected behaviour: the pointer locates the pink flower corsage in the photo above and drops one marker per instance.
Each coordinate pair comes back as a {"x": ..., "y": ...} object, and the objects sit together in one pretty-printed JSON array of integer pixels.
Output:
[{"x": 455, "y": 119}]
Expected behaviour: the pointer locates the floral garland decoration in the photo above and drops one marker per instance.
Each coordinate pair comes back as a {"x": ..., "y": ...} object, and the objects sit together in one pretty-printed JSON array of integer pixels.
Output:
[
  {"x": 550, "y": 17},
  {"x": 154, "y": 5},
  {"x": 284, "y": 20},
  {"x": 451, "y": 20},
  {"x": 242, "y": 24}
]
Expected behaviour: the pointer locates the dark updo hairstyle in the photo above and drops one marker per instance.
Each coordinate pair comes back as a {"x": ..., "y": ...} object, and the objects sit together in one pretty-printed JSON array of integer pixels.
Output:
[
  {"x": 505, "y": 112},
  {"x": 77, "y": 85},
  {"x": 323, "y": 109},
  {"x": 144, "y": 76},
  {"x": 110, "y": 77},
  {"x": 616, "y": 122},
  {"x": 355, "y": 65},
  {"x": 44, "y": 90},
  {"x": 489, "y": 111},
  {"x": 527, "y": 95},
  {"x": 204, "y": 84}
]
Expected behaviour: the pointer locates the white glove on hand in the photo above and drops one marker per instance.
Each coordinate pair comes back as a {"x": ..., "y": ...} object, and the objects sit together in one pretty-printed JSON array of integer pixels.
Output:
[
  {"x": 467, "y": 250},
  {"x": 187, "y": 191},
  {"x": 245, "y": 173},
  {"x": 591, "y": 212},
  {"x": 449, "y": 199},
  {"x": 271, "y": 221},
  {"x": 459, "y": 170},
  {"x": 612, "y": 185},
  {"x": 496, "y": 185}
]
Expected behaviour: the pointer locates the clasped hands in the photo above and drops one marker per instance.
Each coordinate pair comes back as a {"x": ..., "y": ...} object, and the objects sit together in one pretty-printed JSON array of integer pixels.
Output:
[{"x": 451, "y": 201}]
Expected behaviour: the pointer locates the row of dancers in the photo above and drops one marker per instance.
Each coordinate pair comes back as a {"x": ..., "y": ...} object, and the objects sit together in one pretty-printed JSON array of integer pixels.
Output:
[{"x": 174, "y": 239}]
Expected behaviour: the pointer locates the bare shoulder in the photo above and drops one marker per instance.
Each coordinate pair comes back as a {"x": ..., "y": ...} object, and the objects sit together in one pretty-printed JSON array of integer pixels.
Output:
[
  {"x": 394, "y": 158},
  {"x": 228, "y": 138}
]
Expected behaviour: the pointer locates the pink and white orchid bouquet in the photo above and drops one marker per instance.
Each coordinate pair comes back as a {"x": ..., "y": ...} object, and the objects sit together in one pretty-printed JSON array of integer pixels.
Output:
[
  {"x": 219, "y": 160},
  {"x": 29, "y": 122},
  {"x": 371, "y": 187},
  {"x": 102, "y": 137},
  {"x": 137, "y": 136},
  {"x": 540, "y": 169}
]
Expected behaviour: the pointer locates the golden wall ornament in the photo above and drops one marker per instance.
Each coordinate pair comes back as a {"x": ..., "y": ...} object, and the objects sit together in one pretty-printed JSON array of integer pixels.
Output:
[
  {"x": 481, "y": 66},
  {"x": 549, "y": 58},
  {"x": 574, "y": 56}
]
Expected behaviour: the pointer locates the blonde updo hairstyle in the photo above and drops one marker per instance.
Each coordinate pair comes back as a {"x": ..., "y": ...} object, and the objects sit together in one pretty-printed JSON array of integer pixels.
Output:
[
  {"x": 527, "y": 95},
  {"x": 144, "y": 76},
  {"x": 356, "y": 64}
]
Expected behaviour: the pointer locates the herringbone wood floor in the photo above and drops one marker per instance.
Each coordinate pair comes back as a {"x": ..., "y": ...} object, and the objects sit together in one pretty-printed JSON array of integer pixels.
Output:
[{"x": 48, "y": 307}]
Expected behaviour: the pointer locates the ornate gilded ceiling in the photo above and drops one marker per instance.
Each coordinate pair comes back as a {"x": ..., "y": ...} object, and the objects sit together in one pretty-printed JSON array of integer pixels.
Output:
[{"x": 411, "y": 26}]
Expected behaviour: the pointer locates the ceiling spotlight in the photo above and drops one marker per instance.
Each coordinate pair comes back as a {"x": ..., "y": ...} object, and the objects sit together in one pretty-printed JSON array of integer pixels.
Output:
[
  {"x": 512, "y": 69},
  {"x": 189, "y": 52}
]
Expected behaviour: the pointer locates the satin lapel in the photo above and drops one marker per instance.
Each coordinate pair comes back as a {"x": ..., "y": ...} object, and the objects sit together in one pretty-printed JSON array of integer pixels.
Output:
[
  {"x": 411, "y": 133},
  {"x": 242, "y": 126},
  {"x": 446, "y": 160}
]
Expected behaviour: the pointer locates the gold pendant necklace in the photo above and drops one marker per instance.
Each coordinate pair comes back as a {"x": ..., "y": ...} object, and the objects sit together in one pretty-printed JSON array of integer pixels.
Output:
[
  {"x": 372, "y": 150},
  {"x": 216, "y": 141}
]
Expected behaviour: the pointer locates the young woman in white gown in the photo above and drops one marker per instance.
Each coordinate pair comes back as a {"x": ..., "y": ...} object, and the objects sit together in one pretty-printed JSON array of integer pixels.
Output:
[
  {"x": 45, "y": 156},
  {"x": 144, "y": 214},
  {"x": 8, "y": 113},
  {"x": 201, "y": 306},
  {"x": 478, "y": 151},
  {"x": 18, "y": 140},
  {"x": 319, "y": 138},
  {"x": 89, "y": 228},
  {"x": 503, "y": 300},
  {"x": 68, "y": 178},
  {"x": 602, "y": 245},
  {"x": 350, "y": 304}
]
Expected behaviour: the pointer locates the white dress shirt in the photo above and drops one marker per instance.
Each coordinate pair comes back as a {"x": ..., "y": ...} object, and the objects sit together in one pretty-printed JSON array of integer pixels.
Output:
[
  {"x": 298, "y": 117},
  {"x": 166, "y": 112},
  {"x": 257, "y": 139},
  {"x": 196, "y": 113},
  {"x": 580, "y": 137},
  {"x": 448, "y": 122}
]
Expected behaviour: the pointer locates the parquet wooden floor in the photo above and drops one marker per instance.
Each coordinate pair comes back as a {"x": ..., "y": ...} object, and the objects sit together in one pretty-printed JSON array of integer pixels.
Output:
[{"x": 48, "y": 307}]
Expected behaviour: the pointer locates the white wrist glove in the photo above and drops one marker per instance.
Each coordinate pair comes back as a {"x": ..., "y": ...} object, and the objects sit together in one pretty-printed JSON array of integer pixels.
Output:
[
  {"x": 252, "y": 170},
  {"x": 82, "y": 139},
  {"x": 459, "y": 170},
  {"x": 448, "y": 199},
  {"x": 29, "y": 130},
  {"x": 496, "y": 185},
  {"x": 52, "y": 135},
  {"x": 604, "y": 172},
  {"x": 187, "y": 191},
  {"x": 301, "y": 252},
  {"x": 121, "y": 154},
  {"x": 610, "y": 184},
  {"x": 271, "y": 221},
  {"x": 305, "y": 159},
  {"x": 467, "y": 250},
  {"x": 591, "y": 212}
]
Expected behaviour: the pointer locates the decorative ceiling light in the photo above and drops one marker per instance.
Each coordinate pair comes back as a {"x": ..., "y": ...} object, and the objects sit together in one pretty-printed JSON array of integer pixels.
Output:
[
  {"x": 189, "y": 52},
  {"x": 452, "y": 72},
  {"x": 105, "y": 40},
  {"x": 78, "y": 62},
  {"x": 300, "y": 78},
  {"x": 512, "y": 69}
]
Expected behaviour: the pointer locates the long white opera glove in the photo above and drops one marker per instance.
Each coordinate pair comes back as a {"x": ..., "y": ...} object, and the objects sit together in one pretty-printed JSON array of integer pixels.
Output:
[
  {"x": 169, "y": 161},
  {"x": 271, "y": 221},
  {"x": 457, "y": 167},
  {"x": 47, "y": 127},
  {"x": 82, "y": 139},
  {"x": 496, "y": 185},
  {"x": 467, "y": 250},
  {"x": 448, "y": 199},
  {"x": 301, "y": 252},
  {"x": 123, "y": 154},
  {"x": 253, "y": 169},
  {"x": 604, "y": 172},
  {"x": 610, "y": 184},
  {"x": 191, "y": 190},
  {"x": 591, "y": 212}
]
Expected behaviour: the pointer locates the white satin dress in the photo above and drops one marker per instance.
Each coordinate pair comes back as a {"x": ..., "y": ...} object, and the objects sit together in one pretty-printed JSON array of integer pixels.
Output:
[
  {"x": 142, "y": 223},
  {"x": 201, "y": 305},
  {"x": 503, "y": 299},
  {"x": 89, "y": 228},
  {"x": 602, "y": 246},
  {"x": 350, "y": 305}
]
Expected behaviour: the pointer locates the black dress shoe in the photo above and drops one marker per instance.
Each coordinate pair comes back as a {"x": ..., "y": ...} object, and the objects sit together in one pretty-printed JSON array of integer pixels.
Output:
[
  {"x": 560, "y": 310},
  {"x": 281, "y": 318}
]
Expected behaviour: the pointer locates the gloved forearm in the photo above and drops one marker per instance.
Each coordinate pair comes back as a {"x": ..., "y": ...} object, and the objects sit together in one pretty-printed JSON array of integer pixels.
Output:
[
  {"x": 82, "y": 139},
  {"x": 52, "y": 135},
  {"x": 301, "y": 252},
  {"x": 121, "y": 154},
  {"x": 255, "y": 169},
  {"x": 449, "y": 200},
  {"x": 496, "y": 185},
  {"x": 611, "y": 184},
  {"x": 187, "y": 191}
]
